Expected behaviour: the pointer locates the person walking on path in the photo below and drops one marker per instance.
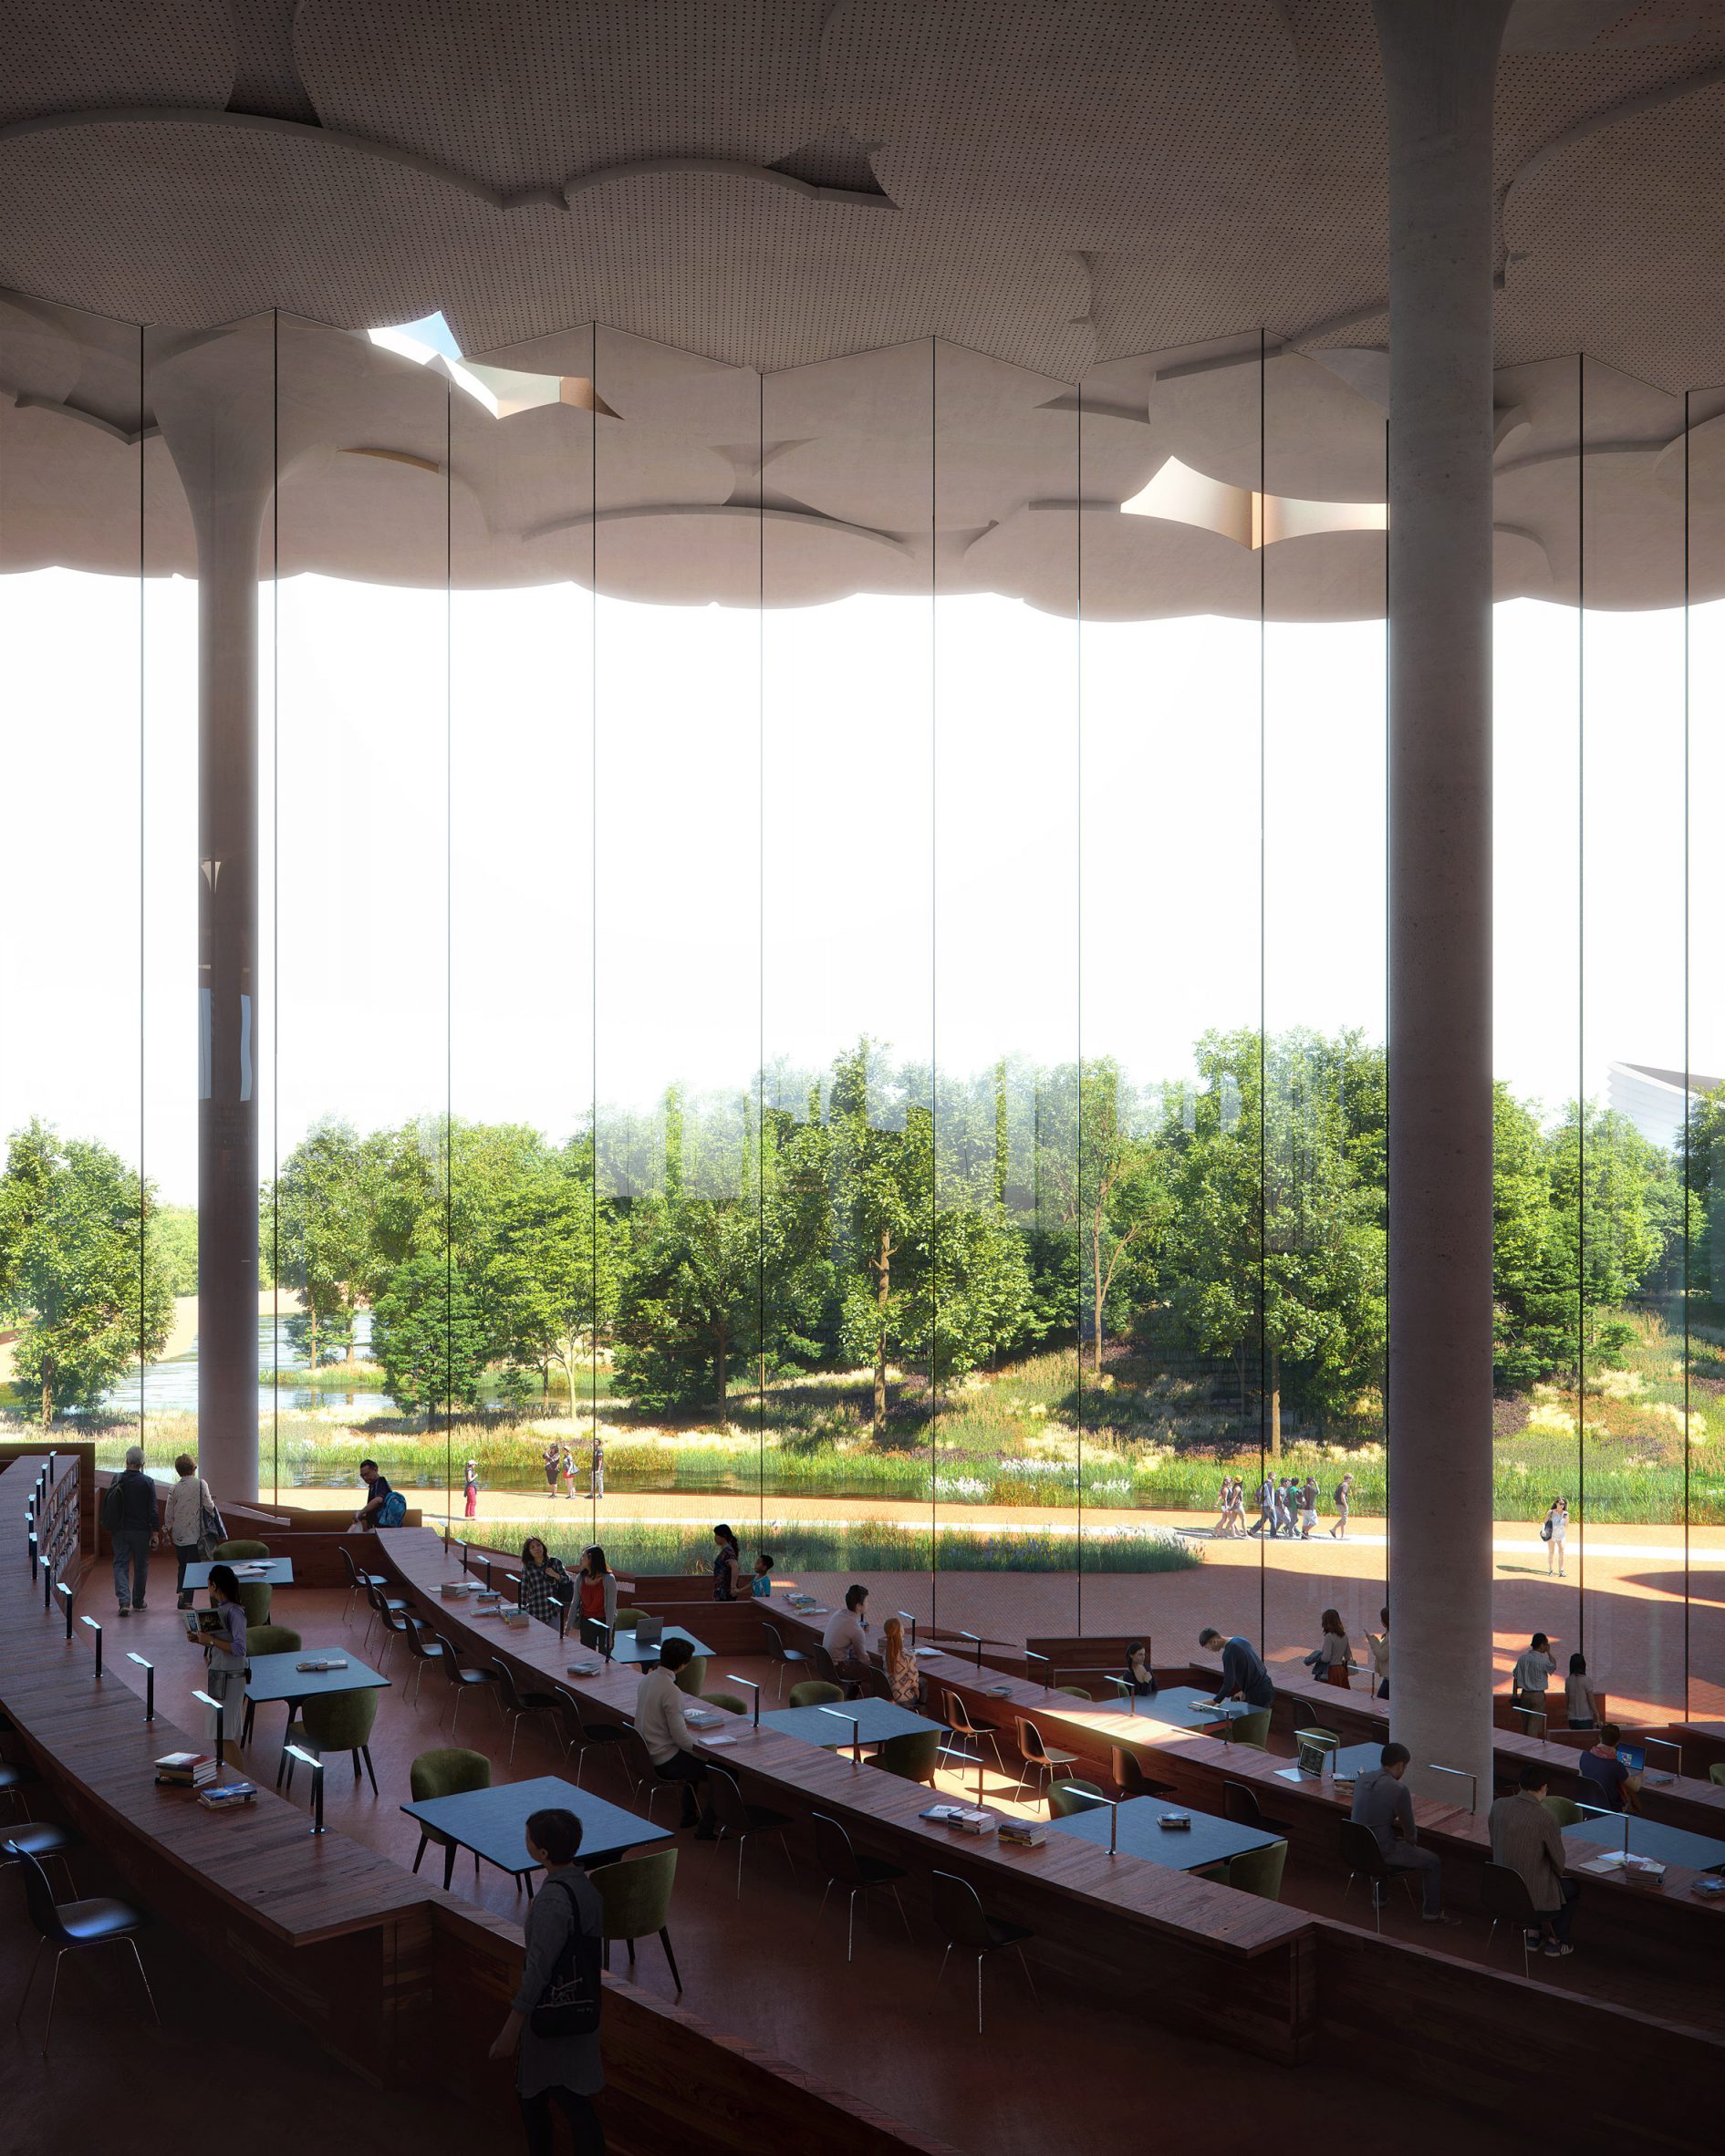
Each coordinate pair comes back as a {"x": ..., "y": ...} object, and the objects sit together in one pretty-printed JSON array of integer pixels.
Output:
[
  {"x": 1344, "y": 1505},
  {"x": 128, "y": 1513},
  {"x": 1266, "y": 1506},
  {"x": 568, "y": 1475},
  {"x": 549, "y": 1463},
  {"x": 1308, "y": 1500},
  {"x": 184, "y": 1512},
  {"x": 599, "y": 1467},
  {"x": 1552, "y": 1534},
  {"x": 470, "y": 1484}
]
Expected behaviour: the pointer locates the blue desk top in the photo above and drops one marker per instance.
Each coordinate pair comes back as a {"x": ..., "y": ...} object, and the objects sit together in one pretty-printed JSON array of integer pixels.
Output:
[
  {"x": 875, "y": 1719},
  {"x": 273, "y": 1571},
  {"x": 624, "y": 1647},
  {"x": 493, "y": 1822},
  {"x": 1208, "y": 1840},
  {"x": 1648, "y": 1838},
  {"x": 274, "y": 1677}
]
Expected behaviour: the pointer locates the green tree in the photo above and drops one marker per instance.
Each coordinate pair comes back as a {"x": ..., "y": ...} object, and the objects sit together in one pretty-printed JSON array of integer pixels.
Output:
[
  {"x": 323, "y": 1202},
  {"x": 175, "y": 1231},
  {"x": 690, "y": 1300},
  {"x": 427, "y": 1334},
  {"x": 559, "y": 1265},
  {"x": 1107, "y": 1178},
  {"x": 76, "y": 1256}
]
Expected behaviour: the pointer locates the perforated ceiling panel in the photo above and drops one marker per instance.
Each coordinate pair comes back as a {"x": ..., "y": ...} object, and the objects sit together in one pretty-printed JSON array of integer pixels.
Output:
[
  {"x": 58, "y": 55},
  {"x": 535, "y": 92}
]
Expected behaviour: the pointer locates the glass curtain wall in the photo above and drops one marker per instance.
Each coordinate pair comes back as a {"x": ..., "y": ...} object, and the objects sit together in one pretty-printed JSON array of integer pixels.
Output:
[{"x": 818, "y": 961}]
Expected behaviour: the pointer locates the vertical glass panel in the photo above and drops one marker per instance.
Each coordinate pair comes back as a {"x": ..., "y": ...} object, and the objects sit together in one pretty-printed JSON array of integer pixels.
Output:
[
  {"x": 676, "y": 563},
  {"x": 1621, "y": 1163},
  {"x": 1170, "y": 948},
  {"x": 1008, "y": 1201},
  {"x": 536, "y": 1258},
  {"x": 378, "y": 1348},
  {"x": 1537, "y": 1011},
  {"x": 78, "y": 1313},
  {"x": 1700, "y": 479},
  {"x": 847, "y": 967},
  {"x": 1323, "y": 1101}
]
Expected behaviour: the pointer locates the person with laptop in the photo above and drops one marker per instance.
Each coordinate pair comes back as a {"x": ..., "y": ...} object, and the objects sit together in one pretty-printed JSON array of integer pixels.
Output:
[
  {"x": 1243, "y": 1674},
  {"x": 1610, "y": 1782},
  {"x": 670, "y": 1743},
  {"x": 846, "y": 1639},
  {"x": 1383, "y": 1802},
  {"x": 1527, "y": 1840}
]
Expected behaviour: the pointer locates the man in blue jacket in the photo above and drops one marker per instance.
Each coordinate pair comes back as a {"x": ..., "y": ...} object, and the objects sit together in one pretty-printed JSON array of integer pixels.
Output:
[{"x": 1243, "y": 1676}]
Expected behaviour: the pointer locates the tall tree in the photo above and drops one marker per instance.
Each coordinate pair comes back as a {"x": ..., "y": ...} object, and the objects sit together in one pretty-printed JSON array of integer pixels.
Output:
[
  {"x": 324, "y": 1201},
  {"x": 77, "y": 1257}
]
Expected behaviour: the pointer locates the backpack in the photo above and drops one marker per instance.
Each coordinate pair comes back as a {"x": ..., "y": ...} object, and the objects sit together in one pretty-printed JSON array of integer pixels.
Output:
[
  {"x": 569, "y": 2004},
  {"x": 394, "y": 1510},
  {"x": 110, "y": 1505}
]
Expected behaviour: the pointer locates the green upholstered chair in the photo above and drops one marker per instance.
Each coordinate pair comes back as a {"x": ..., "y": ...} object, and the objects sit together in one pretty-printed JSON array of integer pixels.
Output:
[
  {"x": 627, "y": 1620},
  {"x": 1564, "y": 1811},
  {"x": 727, "y": 1700},
  {"x": 691, "y": 1675},
  {"x": 447, "y": 1772},
  {"x": 254, "y": 1600},
  {"x": 1716, "y": 1773},
  {"x": 1065, "y": 1798},
  {"x": 271, "y": 1639},
  {"x": 266, "y": 1639},
  {"x": 912, "y": 1756},
  {"x": 1259, "y": 1870},
  {"x": 635, "y": 1895},
  {"x": 334, "y": 1721},
  {"x": 232, "y": 1553},
  {"x": 815, "y": 1691},
  {"x": 1076, "y": 1692},
  {"x": 1252, "y": 1729}
]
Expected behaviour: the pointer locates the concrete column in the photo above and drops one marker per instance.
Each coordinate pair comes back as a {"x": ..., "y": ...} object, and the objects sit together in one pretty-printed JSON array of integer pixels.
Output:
[
  {"x": 1439, "y": 69},
  {"x": 214, "y": 400}
]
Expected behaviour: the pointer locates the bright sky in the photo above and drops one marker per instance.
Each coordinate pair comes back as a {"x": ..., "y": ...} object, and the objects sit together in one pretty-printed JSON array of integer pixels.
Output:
[{"x": 785, "y": 805}]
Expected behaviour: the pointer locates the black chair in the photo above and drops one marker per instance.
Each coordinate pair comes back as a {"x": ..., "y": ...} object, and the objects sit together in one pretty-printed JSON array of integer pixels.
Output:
[
  {"x": 636, "y": 1763},
  {"x": 739, "y": 1819},
  {"x": 1127, "y": 1770},
  {"x": 16, "y": 1776},
  {"x": 1240, "y": 1806},
  {"x": 1039, "y": 1755},
  {"x": 1504, "y": 1897},
  {"x": 1364, "y": 1859},
  {"x": 424, "y": 1646},
  {"x": 959, "y": 1724},
  {"x": 357, "y": 1582},
  {"x": 66, "y": 1926},
  {"x": 464, "y": 1677},
  {"x": 861, "y": 1875},
  {"x": 516, "y": 1704},
  {"x": 579, "y": 1734},
  {"x": 382, "y": 1605},
  {"x": 784, "y": 1657},
  {"x": 959, "y": 1912},
  {"x": 43, "y": 1841}
]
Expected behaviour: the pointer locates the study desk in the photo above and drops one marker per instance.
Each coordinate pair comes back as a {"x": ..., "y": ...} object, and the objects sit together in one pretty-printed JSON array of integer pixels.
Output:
[
  {"x": 625, "y": 1647},
  {"x": 1139, "y": 1832},
  {"x": 259, "y": 1571},
  {"x": 277, "y": 1678},
  {"x": 1649, "y": 1838},
  {"x": 493, "y": 1823},
  {"x": 876, "y": 1721}
]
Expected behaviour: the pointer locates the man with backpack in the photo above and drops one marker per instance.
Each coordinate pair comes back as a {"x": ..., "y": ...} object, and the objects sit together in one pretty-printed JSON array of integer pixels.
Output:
[
  {"x": 128, "y": 1513},
  {"x": 383, "y": 1508}
]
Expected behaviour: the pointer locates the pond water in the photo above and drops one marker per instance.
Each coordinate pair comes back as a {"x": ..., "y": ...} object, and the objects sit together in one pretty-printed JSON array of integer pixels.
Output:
[{"x": 171, "y": 1387}]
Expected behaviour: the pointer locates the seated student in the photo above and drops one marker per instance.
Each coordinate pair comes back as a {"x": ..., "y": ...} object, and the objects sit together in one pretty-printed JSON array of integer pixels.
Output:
[
  {"x": 1383, "y": 1802},
  {"x": 846, "y": 1639},
  {"x": 1579, "y": 1694},
  {"x": 378, "y": 1493},
  {"x": 1609, "y": 1782},
  {"x": 761, "y": 1577},
  {"x": 671, "y": 1745},
  {"x": 1529, "y": 1841},
  {"x": 1139, "y": 1673},
  {"x": 1243, "y": 1676},
  {"x": 904, "y": 1680}
]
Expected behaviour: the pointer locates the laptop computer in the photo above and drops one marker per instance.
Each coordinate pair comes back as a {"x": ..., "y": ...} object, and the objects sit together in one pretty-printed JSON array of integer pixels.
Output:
[{"x": 650, "y": 1631}]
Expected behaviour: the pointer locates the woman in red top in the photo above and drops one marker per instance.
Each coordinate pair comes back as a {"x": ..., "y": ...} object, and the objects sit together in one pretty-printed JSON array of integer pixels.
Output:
[{"x": 596, "y": 1598}]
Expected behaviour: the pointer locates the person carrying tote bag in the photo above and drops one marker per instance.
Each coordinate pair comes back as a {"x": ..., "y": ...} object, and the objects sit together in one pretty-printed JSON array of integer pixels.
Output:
[
  {"x": 553, "y": 2027},
  {"x": 190, "y": 1521}
]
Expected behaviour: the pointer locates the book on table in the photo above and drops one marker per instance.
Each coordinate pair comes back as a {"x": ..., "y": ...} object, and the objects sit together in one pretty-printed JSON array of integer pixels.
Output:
[{"x": 185, "y": 1770}]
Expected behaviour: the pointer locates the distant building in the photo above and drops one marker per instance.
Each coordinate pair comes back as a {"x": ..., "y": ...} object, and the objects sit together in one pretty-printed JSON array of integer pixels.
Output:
[{"x": 1653, "y": 1100}]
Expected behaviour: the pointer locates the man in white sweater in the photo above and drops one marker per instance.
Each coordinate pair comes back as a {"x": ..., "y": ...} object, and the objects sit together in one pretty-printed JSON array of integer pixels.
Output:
[{"x": 659, "y": 1725}]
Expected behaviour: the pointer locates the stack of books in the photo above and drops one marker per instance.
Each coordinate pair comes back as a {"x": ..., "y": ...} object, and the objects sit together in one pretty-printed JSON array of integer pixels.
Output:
[
  {"x": 185, "y": 1770},
  {"x": 227, "y": 1796},
  {"x": 969, "y": 1818},
  {"x": 1025, "y": 1833}
]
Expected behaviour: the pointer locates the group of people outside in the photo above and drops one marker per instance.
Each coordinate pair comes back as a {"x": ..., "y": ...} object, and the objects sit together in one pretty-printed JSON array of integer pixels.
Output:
[
  {"x": 558, "y": 1463},
  {"x": 1287, "y": 1507}
]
